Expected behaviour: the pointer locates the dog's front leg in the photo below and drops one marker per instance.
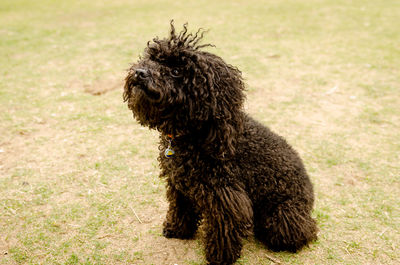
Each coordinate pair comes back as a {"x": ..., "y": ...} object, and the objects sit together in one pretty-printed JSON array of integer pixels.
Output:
[
  {"x": 228, "y": 219},
  {"x": 182, "y": 220}
]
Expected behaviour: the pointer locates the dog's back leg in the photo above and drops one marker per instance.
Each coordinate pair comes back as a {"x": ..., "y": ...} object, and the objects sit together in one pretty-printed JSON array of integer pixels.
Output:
[{"x": 288, "y": 228}]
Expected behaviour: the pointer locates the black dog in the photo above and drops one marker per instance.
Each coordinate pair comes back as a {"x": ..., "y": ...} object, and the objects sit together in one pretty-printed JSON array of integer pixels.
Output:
[{"x": 220, "y": 165}]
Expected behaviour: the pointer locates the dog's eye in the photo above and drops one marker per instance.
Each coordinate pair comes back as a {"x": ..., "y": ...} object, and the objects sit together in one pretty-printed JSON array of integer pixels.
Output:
[{"x": 175, "y": 72}]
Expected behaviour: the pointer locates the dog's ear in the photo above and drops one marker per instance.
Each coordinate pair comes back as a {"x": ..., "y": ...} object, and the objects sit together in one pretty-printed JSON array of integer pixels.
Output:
[
  {"x": 220, "y": 87},
  {"x": 222, "y": 138}
]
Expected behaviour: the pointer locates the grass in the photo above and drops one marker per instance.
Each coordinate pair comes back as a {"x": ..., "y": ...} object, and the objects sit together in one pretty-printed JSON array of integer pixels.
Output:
[{"x": 75, "y": 169}]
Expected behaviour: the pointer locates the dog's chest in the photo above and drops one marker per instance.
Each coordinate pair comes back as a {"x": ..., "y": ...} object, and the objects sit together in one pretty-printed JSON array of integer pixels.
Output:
[
  {"x": 185, "y": 170},
  {"x": 180, "y": 171}
]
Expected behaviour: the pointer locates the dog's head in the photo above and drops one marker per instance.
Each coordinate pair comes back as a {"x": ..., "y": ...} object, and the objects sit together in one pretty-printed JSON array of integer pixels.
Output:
[{"x": 179, "y": 89}]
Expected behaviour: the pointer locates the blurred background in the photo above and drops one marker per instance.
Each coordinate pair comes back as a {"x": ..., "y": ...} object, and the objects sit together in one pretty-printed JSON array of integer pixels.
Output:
[{"x": 79, "y": 177}]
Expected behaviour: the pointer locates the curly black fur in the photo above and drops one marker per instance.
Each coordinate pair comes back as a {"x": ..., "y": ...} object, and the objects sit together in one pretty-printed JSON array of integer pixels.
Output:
[{"x": 228, "y": 170}]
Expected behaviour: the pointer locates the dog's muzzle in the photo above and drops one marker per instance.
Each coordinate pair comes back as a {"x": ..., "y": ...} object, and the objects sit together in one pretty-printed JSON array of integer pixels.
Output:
[
  {"x": 142, "y": 75},
  {"x": 142, "y": 81}
]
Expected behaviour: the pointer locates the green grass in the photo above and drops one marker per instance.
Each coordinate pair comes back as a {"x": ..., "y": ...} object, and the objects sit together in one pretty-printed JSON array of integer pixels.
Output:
[{"x": 75, "y": 169}]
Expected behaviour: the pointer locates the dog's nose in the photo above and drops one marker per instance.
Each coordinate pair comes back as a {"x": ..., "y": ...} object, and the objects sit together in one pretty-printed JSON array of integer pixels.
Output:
[{"x": 141, "y": 73}]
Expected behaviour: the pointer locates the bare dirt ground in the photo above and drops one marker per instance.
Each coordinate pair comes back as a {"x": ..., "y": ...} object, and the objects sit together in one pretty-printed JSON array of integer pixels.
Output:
[{"x": 79, "y": 177}]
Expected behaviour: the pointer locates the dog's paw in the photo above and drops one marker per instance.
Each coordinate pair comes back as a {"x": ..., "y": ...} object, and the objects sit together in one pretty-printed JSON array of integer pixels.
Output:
[{"x": 170, "y": 232}]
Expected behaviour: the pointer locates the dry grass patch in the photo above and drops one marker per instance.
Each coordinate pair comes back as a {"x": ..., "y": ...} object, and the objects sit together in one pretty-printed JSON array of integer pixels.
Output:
[{"x": 79, "y": 178}]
